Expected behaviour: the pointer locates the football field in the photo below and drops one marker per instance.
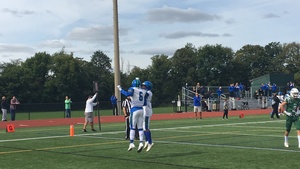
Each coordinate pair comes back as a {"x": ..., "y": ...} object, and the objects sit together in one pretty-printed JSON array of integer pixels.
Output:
[{"x": 251, "y": 142}]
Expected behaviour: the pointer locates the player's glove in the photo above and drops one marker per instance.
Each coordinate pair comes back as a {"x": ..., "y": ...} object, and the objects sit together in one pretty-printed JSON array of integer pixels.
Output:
[
  {"x": 298, "y": 113},
  {"x": 287, "y": 113},
  {"x": 119, "y": 87}
]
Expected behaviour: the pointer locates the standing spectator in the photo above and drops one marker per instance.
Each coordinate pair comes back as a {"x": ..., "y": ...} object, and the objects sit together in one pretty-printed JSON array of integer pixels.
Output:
[
  {"x": 292, "y": 113},
  {"x": 197, "y": 88},
  {"x": 265, "y": 89},
  {"x": 13, "y": 107},
  {"x": 114, "y": 103},
  {"x": 270, "y": 92},
  {"x": 225, "y": 109},
  {"x": 237, "y": 91},
  {"x": 275, "y": 104},
  {"x": 292, "y": 85},
  {"x": 89, "y": 112},
  {"x": 231, "y": 96},
  {"x": 274, "y": 88},
  {"x": 68, "y": 107},
  {"x": 287, "y": 88},
  {"x": 242, "y": 90},
  {"x": 197, "y": 106},
  {"x": 247, "y": 91},
  {"x": 138, "y": 99},
  {"x": 202, "y": 90},
  {"x": 126, "y": 105},
  {"x": 4, "y": 107},
  {"x": 219, "y": 92}
]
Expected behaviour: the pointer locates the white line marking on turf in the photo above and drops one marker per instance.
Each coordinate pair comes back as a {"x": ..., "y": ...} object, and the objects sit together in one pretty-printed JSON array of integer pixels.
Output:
[
  {"x": 118, "y": 132},
  {"x": 229, "y": 146}
]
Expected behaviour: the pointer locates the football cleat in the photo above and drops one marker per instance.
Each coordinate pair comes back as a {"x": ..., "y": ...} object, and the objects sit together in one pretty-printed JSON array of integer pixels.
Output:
[
  {"x": 146, "y": 145},
  {"x": 286, "y": 144},
  {"x": 131, "y": 146},
  {"x": 149, "y": 147},
  {"x": 140, "y": 147}
]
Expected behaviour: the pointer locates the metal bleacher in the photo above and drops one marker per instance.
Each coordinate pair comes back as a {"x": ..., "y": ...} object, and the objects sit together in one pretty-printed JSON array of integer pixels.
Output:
[{"x": 240, "y": 104}]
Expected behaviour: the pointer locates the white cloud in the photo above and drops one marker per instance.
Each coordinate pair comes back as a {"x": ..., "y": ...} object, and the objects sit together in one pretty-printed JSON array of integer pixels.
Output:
[{"x": 146, "y": 28}]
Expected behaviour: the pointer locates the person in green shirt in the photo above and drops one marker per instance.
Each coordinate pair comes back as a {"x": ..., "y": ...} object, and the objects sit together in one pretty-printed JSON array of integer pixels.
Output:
[
  {"x": 290, "y": 107},
  {"x": 68, "y": 107}
]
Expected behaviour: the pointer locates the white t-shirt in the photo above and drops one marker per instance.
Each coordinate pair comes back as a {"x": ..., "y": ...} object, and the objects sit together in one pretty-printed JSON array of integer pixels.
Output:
[{"x": 89, "y": 105}]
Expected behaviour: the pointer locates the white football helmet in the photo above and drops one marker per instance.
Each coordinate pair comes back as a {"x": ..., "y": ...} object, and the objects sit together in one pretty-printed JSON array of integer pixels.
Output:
[{"x": 294, "y": 93}]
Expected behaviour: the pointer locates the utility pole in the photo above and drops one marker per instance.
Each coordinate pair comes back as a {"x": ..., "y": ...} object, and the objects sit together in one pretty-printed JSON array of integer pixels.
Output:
[{"x": 116, "y": 54}]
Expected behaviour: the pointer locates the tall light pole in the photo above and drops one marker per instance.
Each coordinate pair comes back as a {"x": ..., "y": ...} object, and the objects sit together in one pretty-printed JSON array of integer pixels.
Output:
[{"x": 116, "y": 53}]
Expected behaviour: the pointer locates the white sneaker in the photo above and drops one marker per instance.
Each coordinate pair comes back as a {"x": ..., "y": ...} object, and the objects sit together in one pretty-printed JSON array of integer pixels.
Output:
[
  {"x": 286, "y": 144},
  {"x": 140, "y": 147},
  {"x": 131, "y": 146},
  {"x": 149, "y": 147},
  {"x": 146, "y": 145}
]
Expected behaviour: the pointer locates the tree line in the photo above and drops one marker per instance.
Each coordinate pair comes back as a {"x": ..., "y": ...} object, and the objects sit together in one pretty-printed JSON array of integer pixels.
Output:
[{"x": 48, "y": 78}]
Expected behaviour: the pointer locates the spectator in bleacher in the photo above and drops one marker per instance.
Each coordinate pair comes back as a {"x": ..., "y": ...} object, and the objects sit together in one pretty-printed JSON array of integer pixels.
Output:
[
  {"x": 247, "y": 91},
  {"x": 241, "y": 90},
  {"x": 202, "y": 90},
  {"x": 292, "y": 85},
  {"x": 231, "y": 90},
  {"x": 270, "y": 89},
  {"x": 274, "y": 88},
  {"x": 197, "y": 88},
  {"x": 260, "y": 93},
  {"x": 219, "y": 92},
  {"x": 287, "y": 88},
  {"x": 266, "y": 89},
  {"x": 237, "y": 90}
]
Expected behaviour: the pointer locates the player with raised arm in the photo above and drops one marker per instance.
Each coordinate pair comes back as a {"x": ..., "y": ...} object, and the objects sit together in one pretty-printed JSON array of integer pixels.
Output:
[
  {"x": 138, "y": 100},
  {"x": 290, "y": 107},
  {"x": 147, "y": 114}
]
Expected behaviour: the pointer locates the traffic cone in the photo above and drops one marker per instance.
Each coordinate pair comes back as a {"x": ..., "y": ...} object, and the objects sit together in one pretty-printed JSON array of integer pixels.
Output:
[
  {"x": 71, "y": 130},
  {"x": 10, "y": 128}
]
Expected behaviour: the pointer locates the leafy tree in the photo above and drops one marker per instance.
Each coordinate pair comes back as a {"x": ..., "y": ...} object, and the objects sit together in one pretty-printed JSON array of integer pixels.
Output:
[
  {"x": 161, "y": 79},
  {"x": 64, "y": 78},
  {"x": 254, "y": 59},
  {"x": 38, "y": 69},
  {"x": 13, "y": 80},
  {"x": 101, "y": 71},
  {"x": 183, "y": 67},
  {"x": 215, "y": 65}
]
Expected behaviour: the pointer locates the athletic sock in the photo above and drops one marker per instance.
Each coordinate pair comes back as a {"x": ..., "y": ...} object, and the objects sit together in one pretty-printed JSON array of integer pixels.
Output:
[
  {"x": 150, "y": 138},
  {"x": 146, "y": 136},
  {"x": 286, "y": 140}
]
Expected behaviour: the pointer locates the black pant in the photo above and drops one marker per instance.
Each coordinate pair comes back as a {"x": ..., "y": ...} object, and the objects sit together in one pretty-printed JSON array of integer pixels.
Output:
[
  {"x": 225, "y": 114},
  {"x": 127, "y": 129},
  {"x": 115, "y": 110},
  {"x": 275, "y": 111}
]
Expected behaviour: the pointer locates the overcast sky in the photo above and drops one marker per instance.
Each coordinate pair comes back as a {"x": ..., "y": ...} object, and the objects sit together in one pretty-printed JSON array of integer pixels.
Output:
[{"x": 147, "y": 27}]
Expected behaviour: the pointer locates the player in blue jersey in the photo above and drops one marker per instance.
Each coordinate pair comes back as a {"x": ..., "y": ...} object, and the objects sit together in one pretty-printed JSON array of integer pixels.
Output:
[
  {"x": 147, "y": 115},
  {"x": 138, "y": 100}
]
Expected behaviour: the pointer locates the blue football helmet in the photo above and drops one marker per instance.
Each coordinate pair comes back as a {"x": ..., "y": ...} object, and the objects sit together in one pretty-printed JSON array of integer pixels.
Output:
[
  {"x": 136, "y": 82},
  {"x": 148, "y": 85}
]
